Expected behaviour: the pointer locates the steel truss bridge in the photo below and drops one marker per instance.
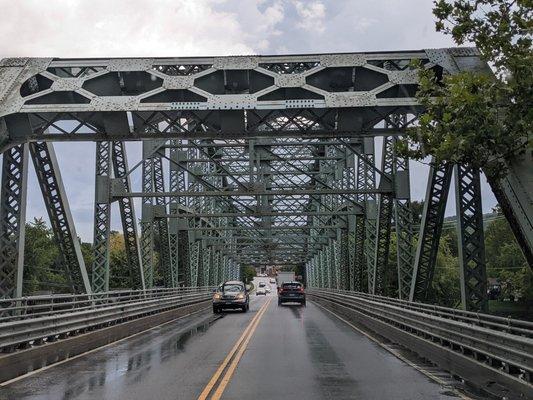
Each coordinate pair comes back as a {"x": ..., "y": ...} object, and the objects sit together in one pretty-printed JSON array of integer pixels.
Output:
[{"x": 246, "y": 160}]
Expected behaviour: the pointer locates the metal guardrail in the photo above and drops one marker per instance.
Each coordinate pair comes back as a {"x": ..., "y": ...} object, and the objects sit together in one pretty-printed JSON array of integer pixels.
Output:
[
  {"x": 37, "y": 306},
  {"x": 502, "y": 344},
  {"x": 49, "y": 318},
  {"x": 510, "y": 325}
]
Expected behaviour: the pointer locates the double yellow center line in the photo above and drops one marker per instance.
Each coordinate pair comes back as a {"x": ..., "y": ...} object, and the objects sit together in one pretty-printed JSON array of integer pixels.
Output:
[{"x": 232, "y": 359}]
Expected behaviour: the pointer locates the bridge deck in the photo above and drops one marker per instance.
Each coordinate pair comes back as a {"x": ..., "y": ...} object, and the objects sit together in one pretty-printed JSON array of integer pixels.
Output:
[{"x": 294, "y": 353}]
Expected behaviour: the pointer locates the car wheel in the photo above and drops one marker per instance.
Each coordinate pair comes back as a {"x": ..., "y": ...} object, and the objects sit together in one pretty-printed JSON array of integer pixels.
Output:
[
  {"x": 279, "y": 303},
  {"x": 216, "y": 310},
  {"x": 303, "y": 303},
  {"x": 244, "y": 309}
]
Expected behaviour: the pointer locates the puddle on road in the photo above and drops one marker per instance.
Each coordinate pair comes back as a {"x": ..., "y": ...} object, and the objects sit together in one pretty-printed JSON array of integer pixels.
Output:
[{"x": 176, "y": 345}]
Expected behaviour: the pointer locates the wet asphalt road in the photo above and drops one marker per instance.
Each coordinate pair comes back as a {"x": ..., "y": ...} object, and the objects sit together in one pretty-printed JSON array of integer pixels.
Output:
[{"x": 295, "y": 353}]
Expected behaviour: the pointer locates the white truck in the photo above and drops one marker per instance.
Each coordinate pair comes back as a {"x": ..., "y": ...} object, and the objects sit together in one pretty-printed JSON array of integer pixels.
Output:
[{"x": 284, "y": 276}]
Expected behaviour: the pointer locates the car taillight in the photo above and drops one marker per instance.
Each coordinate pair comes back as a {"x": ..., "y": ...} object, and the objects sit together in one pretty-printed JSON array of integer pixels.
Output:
[{"x": 301, "y": 289}]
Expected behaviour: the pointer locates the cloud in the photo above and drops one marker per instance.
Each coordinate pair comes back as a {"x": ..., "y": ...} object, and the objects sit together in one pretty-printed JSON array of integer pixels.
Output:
[
  {"x": 312, "y": 15},
  {"x": 98, "y": 28}
]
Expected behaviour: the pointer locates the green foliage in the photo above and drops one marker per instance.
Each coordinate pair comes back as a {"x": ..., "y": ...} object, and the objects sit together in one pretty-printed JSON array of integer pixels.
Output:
[
  {"x": 247, "y": 274},
  {"x": 119, "y": 269},
  {"x": 473, "y": 117},
  {"x": 41, "y": 272},
  {"x": 507, "y": 263},
  {"x": 445, "y": 286}
]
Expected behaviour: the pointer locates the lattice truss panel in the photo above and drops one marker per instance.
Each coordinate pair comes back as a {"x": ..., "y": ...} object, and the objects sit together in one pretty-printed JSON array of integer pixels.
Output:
[
  {"x": 249, "y": 160},
  {"x": 245, "y": 95}
]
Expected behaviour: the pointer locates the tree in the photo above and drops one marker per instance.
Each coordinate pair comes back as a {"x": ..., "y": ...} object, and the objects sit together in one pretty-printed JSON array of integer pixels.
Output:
[
  {"x": 119, "y": 269},
  {"x": 41, "y": 255},
  {"x": 479, "y": 118},
  {"x": 445, "y": 289},
  {"x": 417, "y": 208},
  {"x": 506, "y": 262},
  {"x": 247, "y": 274}
]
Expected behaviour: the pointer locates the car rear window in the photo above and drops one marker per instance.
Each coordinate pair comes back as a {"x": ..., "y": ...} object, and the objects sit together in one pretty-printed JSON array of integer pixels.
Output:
[{"x": 292, "y": 285}]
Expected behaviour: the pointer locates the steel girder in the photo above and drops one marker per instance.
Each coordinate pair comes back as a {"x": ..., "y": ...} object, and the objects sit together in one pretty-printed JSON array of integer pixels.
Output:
[
  {"x": 195, "y": 262},
  {"x": 470, "y": 235},
  {"x": 403, "y": 220},
  {"x": 265, "y": 100},
  {"x": 383, "y": 224},
  {"x": 316, "y": 268},
  {"x": 55, "y": 199},
  {"x": 207, "y": 265},
  {"x": 127, "y": 215},
  {"x": 214, "y": 277},
  {"x": 430, "y": 230},
  {"x": 366, "y": 179},
  {"x": 12, "y": 220},
  {"x": 515, "y": 197},
  {"x": 162, "y": 225},
  {"x": 344, "y": 260},
  {"x": 178, "y": 166},
  {"x": 102, "y": 218},
  {"x": 360, "y": 276},
  {"x": 147, "y": 216}
]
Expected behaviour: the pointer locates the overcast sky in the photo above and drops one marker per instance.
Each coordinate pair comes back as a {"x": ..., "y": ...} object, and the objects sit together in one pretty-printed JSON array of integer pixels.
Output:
[{"x": 164, "y": 28}]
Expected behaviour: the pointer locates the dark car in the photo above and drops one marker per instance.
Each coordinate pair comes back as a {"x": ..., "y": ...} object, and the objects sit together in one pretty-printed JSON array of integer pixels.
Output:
[
  {"x": 290, "y": 292},
  {"x": 231, "y": 295}
]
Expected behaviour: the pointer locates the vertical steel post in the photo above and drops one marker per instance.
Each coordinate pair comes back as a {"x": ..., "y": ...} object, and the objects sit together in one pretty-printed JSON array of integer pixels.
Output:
[
  {"x": 366, "y": 179},
  {"x": 403, "y": 220},
  {"x": 102, "y": 218},
  {"x": 383, "y": 227},
  {"x": 207, "y": 264},
  {"x": 13, "y": 220},
  {"x": 147, "y": 214},
  {"x": 162, "y": 223},
  {"x": 194, "y": 260},
  {"x": 127, "y": 216},
  {"x": 470, "y": 235}
]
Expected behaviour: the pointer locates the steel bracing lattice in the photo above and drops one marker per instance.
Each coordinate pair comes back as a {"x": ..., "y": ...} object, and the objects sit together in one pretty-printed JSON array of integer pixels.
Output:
[
  {"x": 55, "y": 199},
  {"x": 248, "y": 160}
]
